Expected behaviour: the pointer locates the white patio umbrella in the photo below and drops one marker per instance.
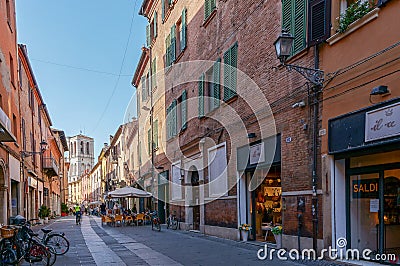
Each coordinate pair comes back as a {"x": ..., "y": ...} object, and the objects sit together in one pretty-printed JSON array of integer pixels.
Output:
[{"x": 129, "y": 192}]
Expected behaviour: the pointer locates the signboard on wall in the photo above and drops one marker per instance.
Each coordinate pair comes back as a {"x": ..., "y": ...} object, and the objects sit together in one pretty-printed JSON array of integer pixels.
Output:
[
  {"x": 365, "y": 188},
  {"x": 382, "y": 123},
  {"x": 257, "y": 153}
]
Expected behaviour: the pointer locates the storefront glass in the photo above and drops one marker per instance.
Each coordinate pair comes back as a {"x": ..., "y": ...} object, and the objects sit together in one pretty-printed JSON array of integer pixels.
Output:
[
  {"x": 391, "y": 213},
  {"x": 264, "y": 204}
]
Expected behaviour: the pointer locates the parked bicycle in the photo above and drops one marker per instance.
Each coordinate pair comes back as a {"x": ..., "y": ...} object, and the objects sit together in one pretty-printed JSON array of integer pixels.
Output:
[
  {"x": 155, "y": 222},
  {"x": 57, "y": 241},
  {"x": 172, "y": 222},
  {"x": 16, "y": 246}
]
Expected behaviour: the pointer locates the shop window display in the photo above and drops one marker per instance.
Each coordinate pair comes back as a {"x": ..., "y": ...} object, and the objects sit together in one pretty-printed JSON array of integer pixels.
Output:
[{"x": 268, "y": 206}]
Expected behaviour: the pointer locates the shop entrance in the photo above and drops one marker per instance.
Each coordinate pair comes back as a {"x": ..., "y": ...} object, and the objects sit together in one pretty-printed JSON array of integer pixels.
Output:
[
  {"x": 195, "y": 199},
  {"x": 264, "y": 203},
  {"x": 370, "y": 190}
]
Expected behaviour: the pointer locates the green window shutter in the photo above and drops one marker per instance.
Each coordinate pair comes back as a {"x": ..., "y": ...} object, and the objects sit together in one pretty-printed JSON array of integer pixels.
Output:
[
  {"x": 230, "y": 72},
  {"x": 216, "y": 83},
  {"x": 201, "y": 95},
  {"x": 154, "y": 73},
  {"x": 155, "y": 24},
  {"x": 148, "y": 41},
  {"x": 174, "y": 118},
  {"x": 149, "y": 140},
  {"x": 184, "y": 109},
  {"x": 183, "y": 40},
  {"x": 171, "y": 2},
  {"x": 207, "y": 8},
  {"x": 144, "y": 91},
  {"x": 167, "y": 51},
  {"x": 299, "y": 22},
  {"x": 162, "y": 10},
  {"x": 168, "y": 122},
  {"x": 213, "y": 5},
  {"x": 155, "y": 134},
  {"x": 173, "y": 43},
  {"x": 287, "y": 15}
]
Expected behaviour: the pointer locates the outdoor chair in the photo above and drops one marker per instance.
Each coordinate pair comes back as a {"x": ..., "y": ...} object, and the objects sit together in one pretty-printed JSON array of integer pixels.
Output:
[
  {"x": 128, "y": 220},
  {"x": 118, "y": 219},
  {"x": 139, "y": 218}
]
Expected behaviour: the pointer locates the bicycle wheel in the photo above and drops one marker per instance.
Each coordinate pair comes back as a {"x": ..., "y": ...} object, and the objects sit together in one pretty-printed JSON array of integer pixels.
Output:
[
  {"x": 39, "y": 255},
  {"x": 53, "y": 255},
  {"x": 59, "y": 242},
  {"x": 8, "y": 257}
]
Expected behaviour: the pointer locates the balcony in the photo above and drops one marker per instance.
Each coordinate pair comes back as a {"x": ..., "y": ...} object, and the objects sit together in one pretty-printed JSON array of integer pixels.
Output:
[
  {"x": 5, "y": 128},
  {"x": 50, "y": 166}
]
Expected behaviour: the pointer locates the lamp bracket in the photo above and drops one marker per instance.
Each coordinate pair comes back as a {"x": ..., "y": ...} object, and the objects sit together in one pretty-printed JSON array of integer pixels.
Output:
[{"x": 315, "y": 76}]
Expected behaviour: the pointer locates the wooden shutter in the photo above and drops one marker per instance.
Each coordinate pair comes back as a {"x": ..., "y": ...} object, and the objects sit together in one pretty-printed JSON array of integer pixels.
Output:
[
  {"x": 140, "y": 152},
  {"x": 155, "y": 24},
  {"x": 319, "y": 21},
  {"x": 184, "y": 109},
  {"x": 201, "y": 95},
  {"x": 207, "y": 8},
  {"x": 163, "y": 10},
  {"x": 168, "y": 50},
  {"x": 174, "y": 117},
  {"x": 212, "y": 5},
  {"x": 155, "y": 135},
  {"x": 183, "y": 39},
  {"x": 287, "y": 15},
  {"x": 149, "y": 140},
  {"x": 148, "y": 41},
  {"x": 230, "y": 72},
  {"x": 299, "y": 22},
  {"x": 144, "y": 91},
  {"x": 173, "y": 43},
  {"x": 154, "y": 73},
  {"x": 216, "y": 83},
  {"x": 168, "y": 122}
]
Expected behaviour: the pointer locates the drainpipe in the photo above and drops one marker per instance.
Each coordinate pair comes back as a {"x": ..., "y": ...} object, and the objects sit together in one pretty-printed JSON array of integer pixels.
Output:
[{"x": 315, "y": 93}]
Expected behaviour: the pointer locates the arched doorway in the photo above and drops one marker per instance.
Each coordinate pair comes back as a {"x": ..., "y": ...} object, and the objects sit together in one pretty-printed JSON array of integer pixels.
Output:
[{"x": 195, "y": 202}]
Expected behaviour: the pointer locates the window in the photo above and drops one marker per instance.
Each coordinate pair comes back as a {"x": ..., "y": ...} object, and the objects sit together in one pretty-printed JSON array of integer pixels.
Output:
[
  {"x": 30, "y": 96},
  {"x": 15, "y": 125},
  {"x": 87, "y": 148},
  {"x": 74, "y": 147},
  {"x": 1, "y": 101},
  {"x": 209, "y": 7},
  {"x": 209, "y": 89},
  {"x": 151, "y": 30},
  {"x": 165, "y": 6},
  {"x": 140, "y": 153},
  {"x": 82, "y": 148},
  {"x": 294, "y": 21},
  {"x": 155, "y": 134},
  {"x": 12, "y": 71},
  {"x": 217, "y": 170},
  {"x": 154, "y": 73},
  {"x": 8, "y": 10},
  {"x": 230, "y": 72},
  {"x": 23, "y": 135},
  {"x": 180, "y": 33},
  {"x": 144, "y": 90},
  {"x": 20, "y": 72},
  {"x": 172, "y": 119},
  {"x": 170, "y": 44},
  {"x": 181, "y": 111}
]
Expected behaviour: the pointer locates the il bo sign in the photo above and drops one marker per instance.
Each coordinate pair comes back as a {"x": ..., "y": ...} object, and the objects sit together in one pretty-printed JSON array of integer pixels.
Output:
[{"x": 365, "y": 188}]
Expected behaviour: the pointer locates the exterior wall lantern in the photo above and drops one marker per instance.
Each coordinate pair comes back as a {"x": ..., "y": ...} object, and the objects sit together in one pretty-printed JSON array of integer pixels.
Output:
[{"x": 283, "y": 47}]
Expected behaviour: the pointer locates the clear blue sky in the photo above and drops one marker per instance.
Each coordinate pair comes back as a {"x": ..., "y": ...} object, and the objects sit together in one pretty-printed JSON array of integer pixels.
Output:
[{"x": 66, "y": 39}]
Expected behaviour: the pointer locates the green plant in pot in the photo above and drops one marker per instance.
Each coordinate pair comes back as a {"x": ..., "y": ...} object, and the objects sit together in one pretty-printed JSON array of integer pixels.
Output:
[
  {"x": 64, "y": 209},
  {"x": 44, "y": 213}
]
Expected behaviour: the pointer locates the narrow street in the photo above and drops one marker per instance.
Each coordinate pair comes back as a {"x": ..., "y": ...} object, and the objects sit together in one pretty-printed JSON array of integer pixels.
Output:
[{"x": 94, "y": 244}]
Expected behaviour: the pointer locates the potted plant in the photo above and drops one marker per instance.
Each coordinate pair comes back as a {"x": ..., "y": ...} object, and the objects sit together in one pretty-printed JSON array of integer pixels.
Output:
[
  {"x": 64, "y": 209},
  {"x": 244, "y": 231},
  {"x": 277, "y": 231},
  {"x": 44, "y": 213}
]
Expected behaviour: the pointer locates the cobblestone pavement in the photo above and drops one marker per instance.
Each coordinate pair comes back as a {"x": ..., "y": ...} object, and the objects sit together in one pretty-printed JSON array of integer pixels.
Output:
[{"x": 95, "y": 244}]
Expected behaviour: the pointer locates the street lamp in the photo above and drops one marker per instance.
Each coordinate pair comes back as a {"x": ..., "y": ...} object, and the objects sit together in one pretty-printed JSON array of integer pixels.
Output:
[
  {"x": 43, "y": 147},
  {"x": 283, "y": 47}
]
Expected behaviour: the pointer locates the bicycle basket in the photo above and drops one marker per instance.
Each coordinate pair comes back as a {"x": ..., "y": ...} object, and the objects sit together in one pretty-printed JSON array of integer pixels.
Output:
[{"x": 7, "y": 232}]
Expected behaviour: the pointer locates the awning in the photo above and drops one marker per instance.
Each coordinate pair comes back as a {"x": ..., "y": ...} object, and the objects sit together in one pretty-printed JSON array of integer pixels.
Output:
[
  {"x": 95, "y": 202},
  {"x": 5, "y": 128},
  {"x": 129, "y": 192}
]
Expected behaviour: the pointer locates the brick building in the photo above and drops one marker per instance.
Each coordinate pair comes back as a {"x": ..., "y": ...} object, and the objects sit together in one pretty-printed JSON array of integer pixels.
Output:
[{"x": 220, "y": 117}]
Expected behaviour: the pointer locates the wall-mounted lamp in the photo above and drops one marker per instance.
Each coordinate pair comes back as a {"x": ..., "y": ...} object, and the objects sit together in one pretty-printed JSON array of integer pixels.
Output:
[
  {"x": 299, "y": 104},
  {"x": 380, "y": 90},
  {"x": 251, "y": 135},
  {"x": 283, "y": 47}
]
